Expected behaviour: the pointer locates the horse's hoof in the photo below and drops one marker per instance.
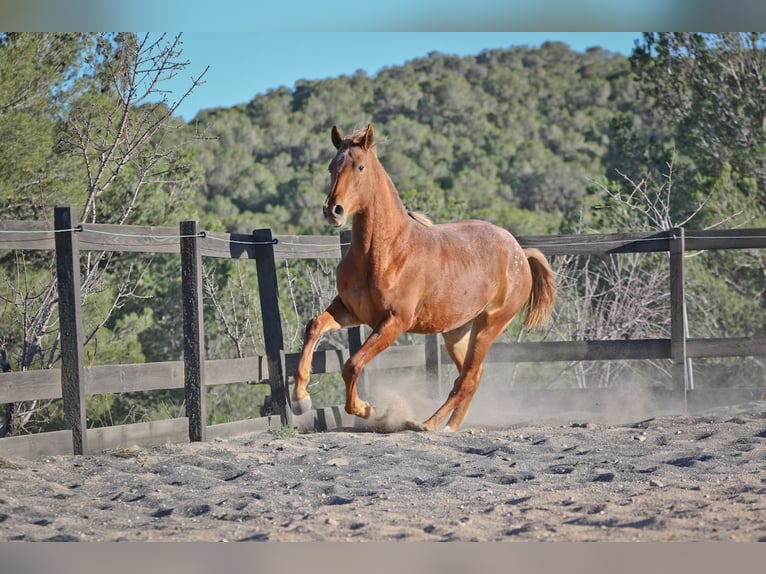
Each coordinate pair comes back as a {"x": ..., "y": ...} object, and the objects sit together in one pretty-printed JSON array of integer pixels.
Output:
[
  {"x": 302, "y": 406},
  {"x": 415, "y": 426}
]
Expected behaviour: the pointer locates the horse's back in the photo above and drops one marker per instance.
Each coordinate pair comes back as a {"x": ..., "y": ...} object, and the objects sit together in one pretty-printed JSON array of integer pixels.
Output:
[
  {"x": 462, "y": 269},
  {"x": 476, "y": 241}
]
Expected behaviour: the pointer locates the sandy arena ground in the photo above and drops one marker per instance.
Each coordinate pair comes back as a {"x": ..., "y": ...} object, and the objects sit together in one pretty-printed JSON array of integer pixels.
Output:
[{"x": 668, "y": 478}]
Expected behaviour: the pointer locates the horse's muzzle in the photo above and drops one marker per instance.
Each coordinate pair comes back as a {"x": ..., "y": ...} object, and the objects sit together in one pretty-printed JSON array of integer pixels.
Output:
[{"x": 335, "y": 214}]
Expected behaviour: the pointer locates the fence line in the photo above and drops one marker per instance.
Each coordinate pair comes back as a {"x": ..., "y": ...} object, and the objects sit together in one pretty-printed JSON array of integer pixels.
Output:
[{"x": 73, "y": 381}]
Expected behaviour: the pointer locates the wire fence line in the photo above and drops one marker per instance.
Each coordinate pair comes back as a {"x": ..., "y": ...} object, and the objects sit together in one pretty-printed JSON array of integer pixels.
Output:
[{"x": 15, "y": 231}]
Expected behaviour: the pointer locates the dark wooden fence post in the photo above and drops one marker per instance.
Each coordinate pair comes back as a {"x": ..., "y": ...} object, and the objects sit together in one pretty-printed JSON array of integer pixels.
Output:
[
  {"x": 355, "y": 334},
  {"x": 434, "y": 364},
  {"x": 678, "y": 328},
  {"x": 194, "y": 330},
  {"x": 70, "y": 318},
  {"x": 268, "y": 292}
]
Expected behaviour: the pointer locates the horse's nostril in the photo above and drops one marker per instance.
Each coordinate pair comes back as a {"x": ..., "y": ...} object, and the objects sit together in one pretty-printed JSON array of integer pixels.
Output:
[{"x": 337, "y": 210}]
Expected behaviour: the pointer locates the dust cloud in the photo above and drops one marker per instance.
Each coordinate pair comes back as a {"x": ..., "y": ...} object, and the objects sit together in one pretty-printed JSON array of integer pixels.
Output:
[
  {"x": 400, "y": 400},
  {"x": 399, "y": 404}
]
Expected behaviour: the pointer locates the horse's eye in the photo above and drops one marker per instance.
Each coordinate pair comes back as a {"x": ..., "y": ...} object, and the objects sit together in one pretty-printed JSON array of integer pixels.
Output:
[{"x": 360, "y": 168}]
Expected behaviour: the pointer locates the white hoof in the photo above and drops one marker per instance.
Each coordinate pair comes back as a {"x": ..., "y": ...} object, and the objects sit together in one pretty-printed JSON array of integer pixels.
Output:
[{"x": 302, "y": 406}]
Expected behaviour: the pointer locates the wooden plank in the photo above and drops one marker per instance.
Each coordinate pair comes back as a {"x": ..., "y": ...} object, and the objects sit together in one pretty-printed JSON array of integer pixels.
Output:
[
  {"x": 33, "y": 446},
  {"x": 30, "y": 385},
  {"x": 31, "y": 235},
  {"x": 234, "y": 428},
  {"x": 241, "y": 246},
  {"x": 143, "y": 434},
  {"x": 554, "y": 351},
  {"x": 268, "y": 293},
  {"x": 70, "y": 325},
  {"x": 228, "y": 245},
  {"x": 754, "y": 238},
  {"x": 306, "y": 247},
  {"x": 103, "y": 379},
  {"x": 39, "y": 235},
  {"x": 329, "y": 419},
  {"x": 741, "y": 347},
  {"x": 226, "y": 371},
  {"x": 597, "y": 243},
  {"x": 194, "y": 329},
  {"x": 129, "y": 238},
  {"x": 546, "y": 351},
  {"x": 399, "y": 356},
  {"x": 321, "y": 361}
]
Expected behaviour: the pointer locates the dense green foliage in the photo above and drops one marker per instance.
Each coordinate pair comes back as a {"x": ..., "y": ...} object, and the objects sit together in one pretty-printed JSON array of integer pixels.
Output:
[
  {"x": 514, "y": 136},
  {"x": 538, "y": 140}
]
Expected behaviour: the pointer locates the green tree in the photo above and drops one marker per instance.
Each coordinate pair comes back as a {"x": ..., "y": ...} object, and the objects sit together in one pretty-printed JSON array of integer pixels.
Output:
[
  {"x": 37, "y": 72},
  {"x": 708, "y": 89},
  {"x": 103, "y": 146}
]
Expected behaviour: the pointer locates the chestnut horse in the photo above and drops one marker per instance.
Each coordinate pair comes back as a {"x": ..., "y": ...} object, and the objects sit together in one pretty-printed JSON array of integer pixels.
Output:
[{"x": 466, "y": 280}]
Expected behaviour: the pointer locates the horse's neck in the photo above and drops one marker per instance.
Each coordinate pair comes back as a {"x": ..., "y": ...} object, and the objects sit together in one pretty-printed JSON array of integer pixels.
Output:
[{"x": 382, "y": 222}]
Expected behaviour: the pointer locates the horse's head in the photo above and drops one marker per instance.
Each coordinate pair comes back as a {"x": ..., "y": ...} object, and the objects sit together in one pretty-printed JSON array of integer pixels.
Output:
[{"x": 348, "y": 171}]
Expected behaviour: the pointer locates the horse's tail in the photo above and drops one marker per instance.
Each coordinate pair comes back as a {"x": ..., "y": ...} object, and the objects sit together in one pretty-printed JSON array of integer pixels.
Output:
[{"x": 540, "y": 304}]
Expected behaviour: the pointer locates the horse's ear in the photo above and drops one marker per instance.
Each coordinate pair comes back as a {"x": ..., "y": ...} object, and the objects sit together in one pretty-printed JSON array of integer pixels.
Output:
[
  {"x": 369, "y": 137},
  {"x": 337, "y": 139}
]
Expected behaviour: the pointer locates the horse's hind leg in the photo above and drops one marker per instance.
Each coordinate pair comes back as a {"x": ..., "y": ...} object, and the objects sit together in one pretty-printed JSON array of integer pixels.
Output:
[
  {"x": 485, "y": 330},
  {"x": 456, "y": 343},
  {"x": 335, "y": 317}
]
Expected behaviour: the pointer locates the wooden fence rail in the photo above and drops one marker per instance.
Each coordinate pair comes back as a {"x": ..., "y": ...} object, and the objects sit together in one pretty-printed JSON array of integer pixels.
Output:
[{"x": 74, "y": 381}]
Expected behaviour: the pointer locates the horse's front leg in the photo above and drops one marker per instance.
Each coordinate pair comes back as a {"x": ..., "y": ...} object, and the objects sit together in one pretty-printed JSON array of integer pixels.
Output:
[
  {"x": 379, "y": 340},
  {"x": 335, "y": 317}
]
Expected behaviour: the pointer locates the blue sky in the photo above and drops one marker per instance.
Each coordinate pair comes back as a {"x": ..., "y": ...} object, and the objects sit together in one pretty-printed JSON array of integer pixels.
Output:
[
  {"x": 245, "y": 64},
  {"x": 236, "y": 16}
]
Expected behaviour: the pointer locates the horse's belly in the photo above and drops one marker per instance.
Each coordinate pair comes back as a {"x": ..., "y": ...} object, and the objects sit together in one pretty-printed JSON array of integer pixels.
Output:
[
  {"x": 371, "y": 310},
  {"x": 446, "y": 319}
]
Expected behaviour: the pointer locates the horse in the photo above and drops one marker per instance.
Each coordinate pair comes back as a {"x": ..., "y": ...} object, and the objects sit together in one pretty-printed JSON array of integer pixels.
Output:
[{"x": 402, "y": 274}]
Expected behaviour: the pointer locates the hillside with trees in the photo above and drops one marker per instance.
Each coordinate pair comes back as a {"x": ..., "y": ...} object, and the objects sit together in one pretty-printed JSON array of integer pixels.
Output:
[
  {"x": 515, "y": 136},
  {"x": 537, "y": 140}
]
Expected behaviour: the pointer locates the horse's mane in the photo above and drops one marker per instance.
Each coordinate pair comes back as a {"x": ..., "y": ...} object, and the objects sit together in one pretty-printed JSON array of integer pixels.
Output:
[
  {"x": 421, "y": 218},
  {"x": 356, "y": 139}
]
